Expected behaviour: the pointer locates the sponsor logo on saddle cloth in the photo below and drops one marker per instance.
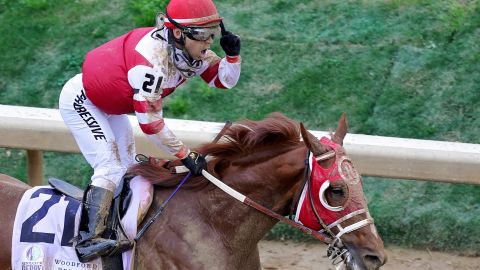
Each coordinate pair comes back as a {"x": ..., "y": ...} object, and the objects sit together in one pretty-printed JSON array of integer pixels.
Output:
[
  {"x": 32, "y": 258},
  {"x": 47, "y": 221},
  {"x": 320, "y": 179}
]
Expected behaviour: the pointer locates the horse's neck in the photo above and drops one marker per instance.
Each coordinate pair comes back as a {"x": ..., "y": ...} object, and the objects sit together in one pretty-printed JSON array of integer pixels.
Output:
[
  {"x": 239, "y": 224},
  {"x": 271, "y": 183}
]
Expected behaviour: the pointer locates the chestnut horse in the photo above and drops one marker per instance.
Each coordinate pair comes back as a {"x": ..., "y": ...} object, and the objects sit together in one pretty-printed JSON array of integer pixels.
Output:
[{"x": 205, "y": 228}]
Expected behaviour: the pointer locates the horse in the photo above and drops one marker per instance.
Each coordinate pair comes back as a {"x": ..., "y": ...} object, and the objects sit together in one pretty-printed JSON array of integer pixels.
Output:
[{"x": 273, "y": 162}]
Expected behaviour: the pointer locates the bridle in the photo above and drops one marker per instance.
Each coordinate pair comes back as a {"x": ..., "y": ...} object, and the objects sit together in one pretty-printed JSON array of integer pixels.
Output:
[{"x": 337, "y": 252}]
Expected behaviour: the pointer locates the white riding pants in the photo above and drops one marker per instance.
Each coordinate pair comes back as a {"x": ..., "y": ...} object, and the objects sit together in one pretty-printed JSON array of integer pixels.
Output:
[{"x": 106, "y": 141}]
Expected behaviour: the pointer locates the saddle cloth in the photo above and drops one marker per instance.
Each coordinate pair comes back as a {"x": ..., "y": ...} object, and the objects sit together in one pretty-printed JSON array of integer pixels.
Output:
[{"x": 47, "y": 221}]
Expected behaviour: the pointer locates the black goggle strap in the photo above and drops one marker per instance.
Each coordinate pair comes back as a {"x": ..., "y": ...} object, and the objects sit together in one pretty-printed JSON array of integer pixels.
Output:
[
  {"x": 185, "y": 30},
  {"x": 176, "y": 24},
  {"x": 179, "y": 26}
]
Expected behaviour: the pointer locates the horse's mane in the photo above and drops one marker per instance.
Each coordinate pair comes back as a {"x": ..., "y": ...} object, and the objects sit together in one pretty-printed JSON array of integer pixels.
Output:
[
  {"x": 238, "y": 145},
  {"x": 247, "y": 137}
]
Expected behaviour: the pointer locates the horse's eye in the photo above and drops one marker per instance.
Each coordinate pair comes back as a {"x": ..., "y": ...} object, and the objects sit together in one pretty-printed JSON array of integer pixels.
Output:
[{"x": 338, "y": 191}]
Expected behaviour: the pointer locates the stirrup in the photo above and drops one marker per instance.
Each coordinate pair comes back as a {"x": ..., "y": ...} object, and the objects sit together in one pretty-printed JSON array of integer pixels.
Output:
[
  {"x": 94, "y": 248},
  {"x": 121, "y": 246}
]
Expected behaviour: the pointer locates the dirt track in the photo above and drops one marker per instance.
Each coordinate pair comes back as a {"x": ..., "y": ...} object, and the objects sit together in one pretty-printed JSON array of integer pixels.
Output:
[{"x": 301, "y": 256}]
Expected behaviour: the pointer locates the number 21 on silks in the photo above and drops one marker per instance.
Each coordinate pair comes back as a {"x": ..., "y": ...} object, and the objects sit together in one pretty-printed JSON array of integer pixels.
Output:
[
  {"x": 147, "y": 85},
  {"x": 27, "y": 233}
]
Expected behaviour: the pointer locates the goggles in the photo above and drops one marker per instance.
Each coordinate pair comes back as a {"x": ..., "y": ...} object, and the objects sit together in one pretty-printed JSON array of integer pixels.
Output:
[
  {"x": 197, "y": 33},
  {"x": 201, "y": 34}
]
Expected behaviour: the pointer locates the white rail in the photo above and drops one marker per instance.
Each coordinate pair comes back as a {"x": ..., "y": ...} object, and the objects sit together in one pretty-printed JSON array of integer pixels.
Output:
[{"x": 38, "y": 129}]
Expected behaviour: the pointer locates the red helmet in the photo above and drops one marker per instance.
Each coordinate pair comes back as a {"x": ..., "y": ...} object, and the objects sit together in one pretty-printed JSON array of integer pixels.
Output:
[{"x": 191, "y": 13}]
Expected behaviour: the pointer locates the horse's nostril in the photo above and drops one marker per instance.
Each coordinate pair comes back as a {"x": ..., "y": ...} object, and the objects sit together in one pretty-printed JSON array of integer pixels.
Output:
[{"x": 373, "y": 261}]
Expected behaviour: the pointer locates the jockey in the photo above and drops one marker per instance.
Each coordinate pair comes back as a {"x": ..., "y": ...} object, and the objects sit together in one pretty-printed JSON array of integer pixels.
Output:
[{"x": 134, "y": 73}]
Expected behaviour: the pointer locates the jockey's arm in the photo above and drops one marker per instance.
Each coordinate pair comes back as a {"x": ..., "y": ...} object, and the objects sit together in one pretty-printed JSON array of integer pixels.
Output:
[
  {"x": 222, "y": 72},
  {"x": 147, "y": 103}
]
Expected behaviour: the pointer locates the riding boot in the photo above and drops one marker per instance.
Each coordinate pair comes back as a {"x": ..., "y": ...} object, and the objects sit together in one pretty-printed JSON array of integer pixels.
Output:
[{"x": 96, "y": 207}]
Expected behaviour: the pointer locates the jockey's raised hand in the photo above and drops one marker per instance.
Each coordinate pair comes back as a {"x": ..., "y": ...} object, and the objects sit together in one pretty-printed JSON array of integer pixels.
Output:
[
  {"x": 195, "y": 163},
  {"x": 230, "y": 42}
]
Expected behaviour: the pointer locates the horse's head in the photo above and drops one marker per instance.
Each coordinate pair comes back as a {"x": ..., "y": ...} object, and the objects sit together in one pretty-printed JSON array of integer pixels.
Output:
[{"x": 333, "y": 201}]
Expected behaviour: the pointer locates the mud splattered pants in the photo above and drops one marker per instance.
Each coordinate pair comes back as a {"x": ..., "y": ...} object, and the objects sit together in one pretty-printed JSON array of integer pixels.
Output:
[{"x": 106, "y": 141}]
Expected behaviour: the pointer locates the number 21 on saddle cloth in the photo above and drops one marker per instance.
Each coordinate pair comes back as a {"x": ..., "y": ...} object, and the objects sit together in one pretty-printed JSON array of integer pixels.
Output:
[{"x": 47, "y": 221}]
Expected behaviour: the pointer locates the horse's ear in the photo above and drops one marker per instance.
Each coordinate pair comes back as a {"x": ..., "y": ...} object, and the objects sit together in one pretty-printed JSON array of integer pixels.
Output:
[
  {"x": 341, "y": 130},
  {"x": 312, "y": 142}
]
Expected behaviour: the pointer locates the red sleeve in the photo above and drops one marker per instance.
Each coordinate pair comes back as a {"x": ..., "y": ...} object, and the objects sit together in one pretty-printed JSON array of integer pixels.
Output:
[{"x": 211, "y": 73}]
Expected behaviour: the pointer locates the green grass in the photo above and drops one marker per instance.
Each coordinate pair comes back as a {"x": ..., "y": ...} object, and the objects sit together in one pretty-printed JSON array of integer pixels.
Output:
[
  {"x": 438, "y": 216},
  {"x": 39, "y": 53},
  {"x": 398, "y": 68}
]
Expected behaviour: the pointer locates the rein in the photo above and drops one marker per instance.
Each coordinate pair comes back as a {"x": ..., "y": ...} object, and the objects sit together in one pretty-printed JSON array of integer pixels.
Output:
[
  {"x": 242, "y": 198},
  {"x": 247, "y": 201},
  {"x": 160, "y": 209}
]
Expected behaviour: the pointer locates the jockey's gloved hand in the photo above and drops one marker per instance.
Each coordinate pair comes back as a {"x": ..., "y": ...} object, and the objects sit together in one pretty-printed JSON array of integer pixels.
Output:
[
  {"x": 230, "y": 42},
  {"x": 195, "y": 163}
]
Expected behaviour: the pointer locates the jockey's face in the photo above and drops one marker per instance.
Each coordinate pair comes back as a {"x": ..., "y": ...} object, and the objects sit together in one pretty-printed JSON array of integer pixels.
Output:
[{"x": 197, "y": 49}]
